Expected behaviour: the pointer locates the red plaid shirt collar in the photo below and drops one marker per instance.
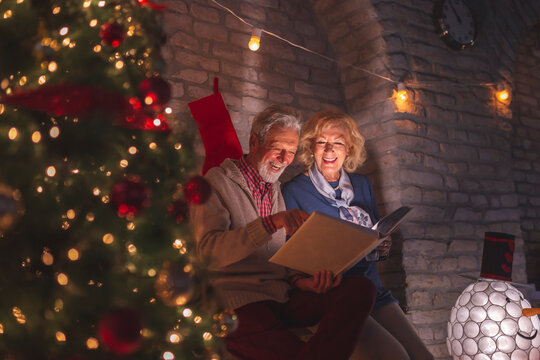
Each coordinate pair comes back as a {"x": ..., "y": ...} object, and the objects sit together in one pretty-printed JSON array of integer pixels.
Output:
[{"x": 260, "y": 189}]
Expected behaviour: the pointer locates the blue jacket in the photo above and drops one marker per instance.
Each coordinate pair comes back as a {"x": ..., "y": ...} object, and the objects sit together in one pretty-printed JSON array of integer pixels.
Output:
[{"x": 300, "y": 193}]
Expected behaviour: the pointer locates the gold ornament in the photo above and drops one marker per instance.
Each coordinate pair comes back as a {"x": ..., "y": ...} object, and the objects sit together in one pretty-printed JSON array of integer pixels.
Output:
[
  {"x": 225, "y": 323},
  {"x": 174, "y": 285}
]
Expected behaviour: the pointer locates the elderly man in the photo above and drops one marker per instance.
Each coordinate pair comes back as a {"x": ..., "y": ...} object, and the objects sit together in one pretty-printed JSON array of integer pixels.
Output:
[{"x": 241, "y": 226}]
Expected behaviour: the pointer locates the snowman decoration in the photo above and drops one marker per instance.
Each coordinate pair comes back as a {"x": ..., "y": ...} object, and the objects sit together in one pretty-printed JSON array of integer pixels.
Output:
[{"x": 491, "y": 320}]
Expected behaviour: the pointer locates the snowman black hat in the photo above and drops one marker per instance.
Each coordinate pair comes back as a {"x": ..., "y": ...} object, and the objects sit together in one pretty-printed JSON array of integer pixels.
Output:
[{"x": 498, "y": 256}]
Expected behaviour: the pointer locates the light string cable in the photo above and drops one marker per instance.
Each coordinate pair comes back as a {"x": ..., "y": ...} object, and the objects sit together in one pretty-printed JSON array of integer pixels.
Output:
[
  {"x": 411, "y": 84},
  {"x": 440, "y": 83},
  {"x": 304, "y": 48}
]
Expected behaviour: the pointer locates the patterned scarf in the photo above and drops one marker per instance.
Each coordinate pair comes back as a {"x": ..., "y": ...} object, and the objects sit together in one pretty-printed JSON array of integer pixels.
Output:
[
  {"x": 346, "y": 211},
  {"x": 352, "y": 213}
]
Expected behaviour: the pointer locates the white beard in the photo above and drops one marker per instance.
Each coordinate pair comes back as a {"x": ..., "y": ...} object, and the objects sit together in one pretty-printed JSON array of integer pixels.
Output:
[{"x": 267, "y": 174}]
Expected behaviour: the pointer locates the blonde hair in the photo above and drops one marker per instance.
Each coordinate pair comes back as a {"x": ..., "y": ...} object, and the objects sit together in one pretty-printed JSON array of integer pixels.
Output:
[{"x": 320, "y": 122}]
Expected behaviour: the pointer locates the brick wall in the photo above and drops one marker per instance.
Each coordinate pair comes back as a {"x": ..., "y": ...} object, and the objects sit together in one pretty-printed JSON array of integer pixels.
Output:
[
  {"x": 205, "y": 41},
  {"x": 526, "y": 148},
  {"x": 449, "y": 154},
  {"x": 465, "y": 162}
]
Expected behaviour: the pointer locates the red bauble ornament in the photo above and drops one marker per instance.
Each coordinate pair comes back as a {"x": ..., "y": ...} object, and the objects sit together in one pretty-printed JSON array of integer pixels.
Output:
[
  {"x": 155, "y": 92},
  {"x": 112, "y": 34},
  {"x": 197, "y": 190},
  {"x": 178, "y": 209},
  {"x": 120, "y": 330},
  {"x": 130, "y": 196}
]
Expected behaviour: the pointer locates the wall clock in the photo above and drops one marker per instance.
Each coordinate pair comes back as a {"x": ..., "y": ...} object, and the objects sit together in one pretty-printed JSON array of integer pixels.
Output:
[{"x": 455, "y": 23}]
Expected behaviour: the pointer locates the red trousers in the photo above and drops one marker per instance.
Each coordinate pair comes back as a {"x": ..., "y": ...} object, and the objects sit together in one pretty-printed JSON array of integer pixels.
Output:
[{"x": 263, "y": 331}]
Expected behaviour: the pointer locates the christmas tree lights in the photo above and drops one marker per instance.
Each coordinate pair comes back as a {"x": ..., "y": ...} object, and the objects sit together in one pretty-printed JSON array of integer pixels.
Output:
[{"x": 94, "y": 246}]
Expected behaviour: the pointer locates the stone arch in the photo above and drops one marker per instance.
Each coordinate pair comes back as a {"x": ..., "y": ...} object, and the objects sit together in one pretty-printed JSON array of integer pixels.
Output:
[{"x": 358, "y": 38}]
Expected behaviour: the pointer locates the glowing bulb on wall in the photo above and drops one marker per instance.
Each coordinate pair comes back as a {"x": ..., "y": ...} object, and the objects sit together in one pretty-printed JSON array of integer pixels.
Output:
[
  {"x": 502, "y": 93},
  {"x": 255, "y": 40},
  {"x": 401, "y": 97},
  {"x": 401, "y": 93}
]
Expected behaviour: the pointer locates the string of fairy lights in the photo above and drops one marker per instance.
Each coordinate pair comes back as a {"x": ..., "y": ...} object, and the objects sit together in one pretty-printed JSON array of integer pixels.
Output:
[
  {"x": 400, "y": 94},
  {"x": 73, "y": 254},
  {"x": 65, "y": 38}
]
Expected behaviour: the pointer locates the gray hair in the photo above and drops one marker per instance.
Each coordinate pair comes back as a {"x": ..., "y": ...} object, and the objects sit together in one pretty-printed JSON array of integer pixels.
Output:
[{"x": 275, "y": 115}]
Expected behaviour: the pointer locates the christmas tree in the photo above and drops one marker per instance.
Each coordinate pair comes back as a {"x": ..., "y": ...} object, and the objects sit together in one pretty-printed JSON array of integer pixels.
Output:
[{"x": 94, "y": 190}]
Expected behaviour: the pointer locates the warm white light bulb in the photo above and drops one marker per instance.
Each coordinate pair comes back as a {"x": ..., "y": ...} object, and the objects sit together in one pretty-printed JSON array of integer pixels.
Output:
[
  {"x": 401, "y": 93},
  {"x": 36, "y": 137},
  {"x": 60, "y": 336},
  {"x": 51, "y": 171},
  {"x": 13, "y": 133},
  {"x": 62, "y": 279},
  {"x": 255, "y": 40},
  {"x": 174, "y": 337},
  {"x": 502, "y": 93},
  {"x": 92, "y": 343},
  {"x": 73, "y": 254},
  {"x": 167, "y": 355},
  {"x": 108, "y": 239},
  {"x": 53, "y": 66}
]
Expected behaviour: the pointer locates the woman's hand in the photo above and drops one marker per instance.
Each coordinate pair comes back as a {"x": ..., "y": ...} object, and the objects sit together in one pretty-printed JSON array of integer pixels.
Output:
[
  {"x": 384, "y": 247},
  {"x": 319, "y": 283}
]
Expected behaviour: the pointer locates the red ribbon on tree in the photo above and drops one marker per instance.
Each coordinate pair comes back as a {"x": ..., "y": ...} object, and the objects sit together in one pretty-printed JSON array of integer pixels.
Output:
[
  {"x": 153, "y": 5},
  {"x": 79, "y": 100}
]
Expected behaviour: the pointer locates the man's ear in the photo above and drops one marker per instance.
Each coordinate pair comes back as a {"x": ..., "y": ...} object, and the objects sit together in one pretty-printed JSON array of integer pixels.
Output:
[{"x": 253, "y": 141}]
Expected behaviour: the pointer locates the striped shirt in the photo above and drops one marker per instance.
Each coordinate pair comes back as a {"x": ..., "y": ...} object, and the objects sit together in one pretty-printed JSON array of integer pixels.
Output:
[{"x": 261, "y": 191}]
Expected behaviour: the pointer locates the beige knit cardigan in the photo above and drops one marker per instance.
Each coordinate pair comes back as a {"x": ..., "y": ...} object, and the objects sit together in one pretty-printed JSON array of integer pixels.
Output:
[{"x": 229, "y": 232}]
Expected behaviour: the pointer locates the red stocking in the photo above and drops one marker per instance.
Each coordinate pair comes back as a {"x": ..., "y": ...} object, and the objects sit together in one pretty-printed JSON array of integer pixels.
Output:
[{"x": 216, "y": 129}]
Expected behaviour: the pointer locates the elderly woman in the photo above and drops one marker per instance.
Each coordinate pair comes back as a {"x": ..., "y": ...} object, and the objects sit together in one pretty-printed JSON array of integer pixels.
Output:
[{"x": 331, "y": 147}]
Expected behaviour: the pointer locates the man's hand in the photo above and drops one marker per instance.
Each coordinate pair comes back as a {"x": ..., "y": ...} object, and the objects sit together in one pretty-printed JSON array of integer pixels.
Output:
[
  {"x": 290, "y": 220},
  {"x": 319, "y": 283}
]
